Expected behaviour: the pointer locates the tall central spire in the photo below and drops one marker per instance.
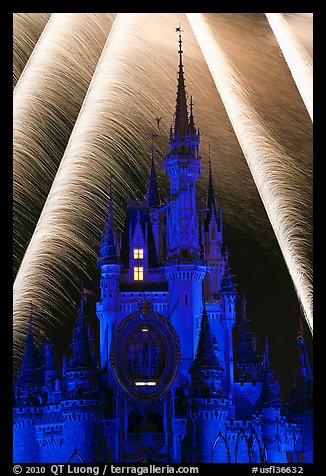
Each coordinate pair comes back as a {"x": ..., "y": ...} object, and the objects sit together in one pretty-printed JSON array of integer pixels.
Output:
[{"x": 181, "y": 110}]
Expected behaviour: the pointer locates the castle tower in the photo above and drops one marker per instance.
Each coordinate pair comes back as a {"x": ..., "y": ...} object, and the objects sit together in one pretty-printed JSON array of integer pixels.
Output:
[
  {"x": 270, "y": 405},
  {"x": 208, "y": 405},
  {"x": 300, "y": 407},
  {"x": 213, "y": 240},
  {"x": 247, "y": 369},
  {"x": 228, "y": 296},
  {"x": 81, "y": 404},
  {"x": 28, "y": 399},
  {"x": 183, "y": 268},
  {"x": 81, "y": 370},
  {"x": 108, "y": 308}
]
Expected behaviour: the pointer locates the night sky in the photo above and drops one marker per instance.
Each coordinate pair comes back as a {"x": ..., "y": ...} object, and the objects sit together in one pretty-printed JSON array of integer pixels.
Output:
[{"x": 134, "y": 83}]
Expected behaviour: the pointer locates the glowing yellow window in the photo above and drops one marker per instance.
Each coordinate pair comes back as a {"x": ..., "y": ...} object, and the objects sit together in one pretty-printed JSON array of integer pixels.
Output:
[
  {"x": 138, "y": 273},
  {"x": 138, "y": 253}
]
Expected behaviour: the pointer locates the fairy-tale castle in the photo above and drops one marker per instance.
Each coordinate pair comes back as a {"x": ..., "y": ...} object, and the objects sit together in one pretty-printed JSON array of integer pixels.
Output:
[{"x": 178, "y": 379}]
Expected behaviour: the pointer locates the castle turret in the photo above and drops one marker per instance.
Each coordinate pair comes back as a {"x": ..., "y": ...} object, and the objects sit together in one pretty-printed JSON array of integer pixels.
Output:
[
  {"x": 183, "y": 268},
  {"x": 269, "y": 404},
  {"x": 247, "y": 369},
  {"x": 81, "y": 370},
  {"x": 81, "y": 404},
  {"x": 32, "y": 367},
  {"x": 228, "y": 296},
  {"x": 300, "y": 407},
  {"x": 208, "y": 404},
  {"x": 213, "y": 240},
  {"x": 109, "y": 306},
  {"x": 28, "y": 399}
]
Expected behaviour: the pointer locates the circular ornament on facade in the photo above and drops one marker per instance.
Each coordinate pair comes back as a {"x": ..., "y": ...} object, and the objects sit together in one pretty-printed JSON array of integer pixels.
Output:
[{"x": 145, "y": 354}]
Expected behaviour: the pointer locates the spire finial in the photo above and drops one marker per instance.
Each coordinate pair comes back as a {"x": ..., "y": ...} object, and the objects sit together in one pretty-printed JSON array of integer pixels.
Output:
[{"x": 180, "y": 41}]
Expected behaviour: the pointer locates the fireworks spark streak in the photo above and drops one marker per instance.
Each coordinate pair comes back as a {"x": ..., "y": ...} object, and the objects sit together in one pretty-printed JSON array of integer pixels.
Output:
[
  {"x": 283, "y": 202},
  {"x": 27, "y": 28},
  {"x": 59, "y": 68},
  {"x": 296, "y": 57}
]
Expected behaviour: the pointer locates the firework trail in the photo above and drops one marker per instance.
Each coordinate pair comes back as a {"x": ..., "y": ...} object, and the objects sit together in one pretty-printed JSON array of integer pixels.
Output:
[
  {"x": 273, "y": 177},
  {"x": 296, "y": 57},
  {"x": 47, "y": 99},
  {"x": 27, "y": 28}
]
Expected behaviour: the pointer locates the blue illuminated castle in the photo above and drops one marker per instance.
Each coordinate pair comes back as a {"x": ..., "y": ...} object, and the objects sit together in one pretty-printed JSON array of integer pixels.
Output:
[{"x": 178, "y": 378}]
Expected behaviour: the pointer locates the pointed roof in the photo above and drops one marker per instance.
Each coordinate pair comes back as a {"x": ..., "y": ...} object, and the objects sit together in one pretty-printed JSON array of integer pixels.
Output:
[
  {"x": 205, "y": 355},
  {"x": 153, "y": 197},
  {"x": 134, "y": 214},
  {"x": 302, "y": 391},
  {"x": 227, "y": 285},
  {"x": 211, "y": 210},
  {"x": 181, "y": 111},
  {"x": 270, "y": 392},
  {"x": 82, "y": 356},
  {"x": 303, "y": 374},
  {"x": 108, "y": 249},
  {"x": 32, "y": 366},
  {"x": 246, "y": 353}
]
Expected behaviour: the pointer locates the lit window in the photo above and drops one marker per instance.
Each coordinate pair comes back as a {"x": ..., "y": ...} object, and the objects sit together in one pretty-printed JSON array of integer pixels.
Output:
[
  {"x": 138, "y": 253},
  {"x": 138, "y": 273}
]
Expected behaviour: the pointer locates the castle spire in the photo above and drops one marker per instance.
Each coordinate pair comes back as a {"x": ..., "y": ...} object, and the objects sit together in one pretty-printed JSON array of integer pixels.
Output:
[
  {"x": 302, "y": 389},
  {"x": 181, "y": 111},
  {"x": 30, "y": 344},
  {"x": 82, "y": 356},
  {"x": 108, "y": 249},
  {"x": 32, "y": 365},
  {"x": 246, "y": 353},
  {"x": 205, "y": 355},
  {"x": 211, "y": 211},
  {"x": 270, "y": 391},
  {"x": 303, "y": 374},
  {"x": 153, "y": 198}
]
